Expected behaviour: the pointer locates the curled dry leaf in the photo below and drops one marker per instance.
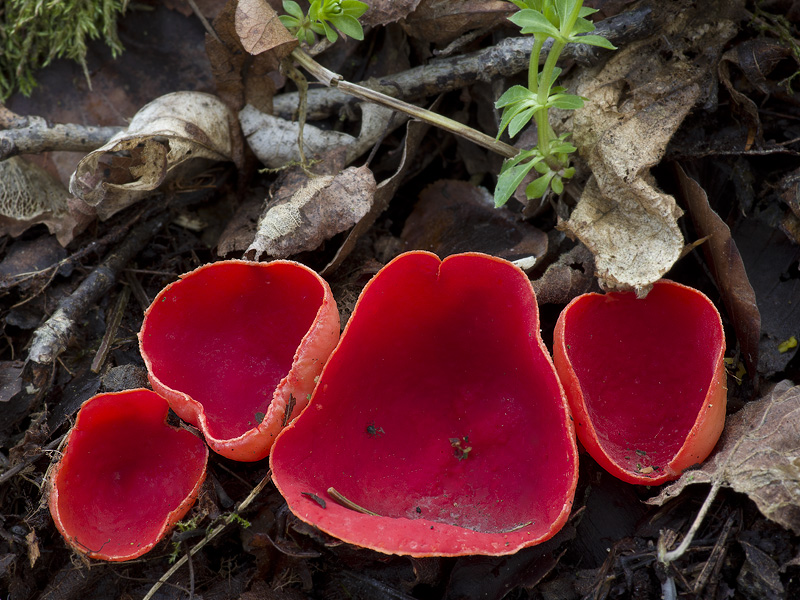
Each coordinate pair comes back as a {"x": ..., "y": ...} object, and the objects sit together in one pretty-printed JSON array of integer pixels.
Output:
[
  {"x": 722, "y": 255},
  {"x": 324, "y": 206},
  {"x": 274, "y": 140},
  {"x": 567, "y": 278},
  {"x": 260, "y": 30},
  {"x": 635, "y": 104},
  {"x": 29, "y": 195},
  {"x": 442, "y": 21},
  {"x": 176, "y": 134},
  {"x": 758, "y": 455}
]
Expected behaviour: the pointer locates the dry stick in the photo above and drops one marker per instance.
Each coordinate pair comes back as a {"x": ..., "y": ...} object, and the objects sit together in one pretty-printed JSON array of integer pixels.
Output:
[
  {"x": 111, "y": 330},
  {"x": 30, "y": 460},
  {"x": 332, "y": 79},
  {"x": 506, "y": 58},
  {"x": 51, "y": 338},
  {"x": 33, "y": 135},
  {"x": 210, "y": 536}
]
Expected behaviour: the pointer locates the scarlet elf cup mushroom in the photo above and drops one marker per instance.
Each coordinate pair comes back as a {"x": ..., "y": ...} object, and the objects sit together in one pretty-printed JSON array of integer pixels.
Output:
[
  {"x": 126, "y": 477},
  {"x": 440, "y": 413},
  {"x": 645, "y": 379},
  {"x": 235, "y": 347}
]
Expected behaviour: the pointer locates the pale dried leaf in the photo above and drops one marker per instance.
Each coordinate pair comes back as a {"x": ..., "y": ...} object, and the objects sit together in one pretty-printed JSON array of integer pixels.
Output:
[
  {"x": 635, "y": 104},
  {"x": 260, "y": 30},
  {"x": 29, "y": 195},
  {"x": 322, "y": 208},
  {"x": 176, "y": 134},
  {"x": 442, "y": 21},
  {"x": 758, "y": 455}
]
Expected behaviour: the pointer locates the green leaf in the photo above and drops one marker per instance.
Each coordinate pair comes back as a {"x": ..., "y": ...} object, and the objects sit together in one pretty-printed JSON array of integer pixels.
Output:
[
  {"x": 513, "y": 95},
  {"x": 354, "y": 8},
  {"x": 293, "y": 8},
  {"x": 310, "y": 39},
  {"x": 593, "y": 40},
  {"x": 534, "y": 22},
  {"x": 582, "y": 26},
  {"x": 290, "y": 22},
  {"x": 314, "y": 10},
  {"x": 329, "y": 32},
  {"x": 508, "y": 181},
  {"x": 349, "y": 26},
  {"x": 586, "y": 11},
  {"x": 564, "y": 9},
  {"x": 557, "y": 185},
  {"x": 566, "y": 101},
  {"x": 317, "y": 27},
  {"x": 508, "y": 114},
  {"x": 519, "y": 121},
  {"x": 538, "y": 187}
]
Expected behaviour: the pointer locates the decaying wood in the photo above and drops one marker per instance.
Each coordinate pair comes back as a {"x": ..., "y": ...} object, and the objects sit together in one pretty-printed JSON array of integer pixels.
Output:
[
  {"x": 34, "y": 135},
  {"x": 51, "y": 338}
]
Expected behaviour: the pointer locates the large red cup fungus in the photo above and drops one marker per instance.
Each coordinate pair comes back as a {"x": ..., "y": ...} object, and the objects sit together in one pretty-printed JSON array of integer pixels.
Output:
[
  {"x": 645, "y": 379},
  {"x": 235, "y": 348},
  {"x": 439, "y": 412},
  {"x": 126, "y": 476}
]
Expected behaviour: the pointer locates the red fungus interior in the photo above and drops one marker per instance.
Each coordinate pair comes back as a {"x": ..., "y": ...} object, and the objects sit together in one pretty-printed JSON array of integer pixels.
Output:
[
  {"x": 124, "y": 472},
  {"x": 226, "y": 337},
  {"x": 630, "y": 353},
  {"x": 434, "y": 363}
]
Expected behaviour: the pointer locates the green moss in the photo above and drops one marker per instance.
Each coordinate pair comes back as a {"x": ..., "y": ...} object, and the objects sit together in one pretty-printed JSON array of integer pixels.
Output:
[{"x": 35, "y": 32}]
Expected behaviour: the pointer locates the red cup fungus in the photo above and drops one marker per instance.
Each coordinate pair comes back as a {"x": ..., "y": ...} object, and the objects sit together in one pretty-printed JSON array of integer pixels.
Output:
[
  {"x": 126, "y": 476},
  {"x": 440, "y": 413},
  {"x": 645, "y": 379},
  {"x": 235, "y": 347}
]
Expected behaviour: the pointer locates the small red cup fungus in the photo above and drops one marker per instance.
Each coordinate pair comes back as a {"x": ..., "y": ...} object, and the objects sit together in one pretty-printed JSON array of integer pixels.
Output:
[
  {"x": 126, "y": 476},
  {"x": 645, "y": 379},
  {"x": 235, "y": 347},
  {"x": 440, "y": 413}
]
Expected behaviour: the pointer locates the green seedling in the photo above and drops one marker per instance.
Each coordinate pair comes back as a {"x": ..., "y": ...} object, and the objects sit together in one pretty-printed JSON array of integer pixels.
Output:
[
  {"x": 325, "y": 17},
  {"x": 564, "y": 22}
]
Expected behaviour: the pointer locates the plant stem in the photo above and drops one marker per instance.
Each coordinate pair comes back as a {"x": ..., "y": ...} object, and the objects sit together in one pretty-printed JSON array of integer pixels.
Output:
[
  {"x": 544, "y": 132},
  {"x": 332, "y": 79}
]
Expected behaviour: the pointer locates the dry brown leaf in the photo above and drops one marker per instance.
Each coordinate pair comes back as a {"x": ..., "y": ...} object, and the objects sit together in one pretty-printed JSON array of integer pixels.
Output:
[
  {"x": 635, "y": 104},
  {"x": 29, "y": 195},
  {"x": 176, "y": 134},
  {"x": 442, "y": 21},
  {"x": 325, "y": 206},
  {"x": 758, "y": 455},
  {"x": 260, "y": 30},
  {"x": 382, "y": 12},
  {"x": 456, "y": 216},
  {"x": 238, "y": 77},
  {"x": 726, "y": 264},
  {"x": 567, "y": 278}
]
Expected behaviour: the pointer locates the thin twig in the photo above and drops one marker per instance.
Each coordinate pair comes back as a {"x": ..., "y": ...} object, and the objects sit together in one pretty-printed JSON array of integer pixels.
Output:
[
  {"x": 673, "y": 555},
  {"x": 347, "y": 503},
  {"x": 332, "y": 79},
  {"x": 203, "y": 20},
  {"x": 210, "y": 536},
  {"x": 111, "y": 330},
  {"x": 30, "y": 460}
]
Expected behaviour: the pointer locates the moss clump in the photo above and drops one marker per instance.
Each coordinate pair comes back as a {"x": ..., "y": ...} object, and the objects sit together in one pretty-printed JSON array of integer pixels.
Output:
[{"x": 35, "y": 32}]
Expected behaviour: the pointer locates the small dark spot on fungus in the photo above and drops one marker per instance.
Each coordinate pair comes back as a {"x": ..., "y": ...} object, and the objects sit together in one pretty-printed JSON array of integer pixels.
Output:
[
  {"x": 460, "y": 449},
  {"x": 373, "y": 431},
  {"x": 315, "y": 498}
]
